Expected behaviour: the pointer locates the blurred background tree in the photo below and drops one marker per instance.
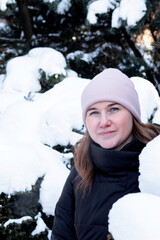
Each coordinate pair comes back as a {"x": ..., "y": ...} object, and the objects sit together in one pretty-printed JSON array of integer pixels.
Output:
[
  {"x": 133, "y": 49},
  {"x": 25, "y": 19}
]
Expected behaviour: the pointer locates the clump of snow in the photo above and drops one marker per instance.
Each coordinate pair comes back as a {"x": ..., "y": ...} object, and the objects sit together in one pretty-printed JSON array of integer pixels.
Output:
[
  {"x": 3, "y": 4},
  {"x": 24, "y": 77},
  {"x": 49, "y": 59},
  {"x": 156, "y": 118},
  {"x": 99, "y": 7},
  {"x": 29, "y": 122},
  {"x": 41, "y": 226},
  {"x": 64, "y": 111},
  {"x": 3, "y": 25},
  {"x": 130, "y": 11},
  {"x": 35, "y": 159},
  {"x": 63, "y": 6},
  {"x": 50, "y": 116},
  {"x": 149, "y": 179},
  {"x": 49, "y": 1},
  {"x": 148, "y": 98},
  {"x": 16, "y": 118},
  {"x": 87, "y": 57},
  {"x": 135, "y": 217},
  {"x": 17, "y": 221}
]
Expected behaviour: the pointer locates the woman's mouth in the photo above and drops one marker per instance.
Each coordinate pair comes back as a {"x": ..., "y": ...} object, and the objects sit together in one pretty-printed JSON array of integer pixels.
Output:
[{"x": 107, "y": 133}]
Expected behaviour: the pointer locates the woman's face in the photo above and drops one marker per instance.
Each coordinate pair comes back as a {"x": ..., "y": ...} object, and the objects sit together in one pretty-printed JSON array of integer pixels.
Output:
[{"x": 109, "y": 124}]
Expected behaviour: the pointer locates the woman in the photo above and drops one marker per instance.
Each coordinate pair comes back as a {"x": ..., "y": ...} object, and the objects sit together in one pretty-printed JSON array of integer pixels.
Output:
[{"x": 106, "y": 158}]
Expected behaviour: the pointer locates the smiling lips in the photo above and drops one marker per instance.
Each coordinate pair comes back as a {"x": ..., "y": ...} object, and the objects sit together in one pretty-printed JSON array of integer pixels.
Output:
[{"x": 108, "y": 133}]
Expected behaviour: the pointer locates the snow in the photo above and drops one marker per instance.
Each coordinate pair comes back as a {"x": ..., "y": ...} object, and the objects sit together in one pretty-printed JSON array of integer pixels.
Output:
[
  {"x": 99, "y": 7},
  {"x": 31, "y": 123},
  {"x": 17, "y": 221},
  {"x": 24, "y": 77},
  {"x": 135, "y": 217},
  {"x": 50, "y": 1},
  {"x": 130, "y": 11},
  {"x": 3, "y": 4},
  {"x": 28, "y": 124},
  {"x": 149, "y": 99},
  {"x": 63, "y": 6},
  {"x": 41, "y": 226},
  {"x": 37, "y": 160},
  {"x": 87, "y": 57},
  {"x": 3, "y": 25},
  {"x": 149, "y": 180}
]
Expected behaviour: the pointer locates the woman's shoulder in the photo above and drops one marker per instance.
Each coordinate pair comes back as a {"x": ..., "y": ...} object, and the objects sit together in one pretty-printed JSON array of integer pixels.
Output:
[{"x": 73, "y": 174}]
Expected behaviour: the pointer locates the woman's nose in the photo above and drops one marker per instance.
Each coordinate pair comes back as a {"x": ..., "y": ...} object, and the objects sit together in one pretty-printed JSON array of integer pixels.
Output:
[{"x": 105, "y": 121}]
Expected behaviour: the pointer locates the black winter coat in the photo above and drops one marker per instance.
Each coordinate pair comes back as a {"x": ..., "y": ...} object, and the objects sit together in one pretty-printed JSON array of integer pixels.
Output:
[{"x": 86, "y": 218}]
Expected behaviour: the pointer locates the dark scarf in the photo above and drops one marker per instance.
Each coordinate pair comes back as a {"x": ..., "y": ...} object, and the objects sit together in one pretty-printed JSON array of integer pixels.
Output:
[{"x": 115, "y": 162}]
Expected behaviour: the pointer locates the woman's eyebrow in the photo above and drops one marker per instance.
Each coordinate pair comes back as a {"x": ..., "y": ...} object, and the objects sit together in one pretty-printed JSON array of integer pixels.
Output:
[
  {"x": 91, "y": 109},
  {"x": 109, "y": 105},
  {"x": 112, "y": 104}
]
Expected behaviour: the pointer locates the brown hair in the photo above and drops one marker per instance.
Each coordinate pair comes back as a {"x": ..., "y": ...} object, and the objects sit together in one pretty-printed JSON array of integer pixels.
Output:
[{"x": 83, "y": 162}]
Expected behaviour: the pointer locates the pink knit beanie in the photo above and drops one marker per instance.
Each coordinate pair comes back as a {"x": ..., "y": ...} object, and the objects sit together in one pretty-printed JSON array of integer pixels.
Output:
[{"x": 111, "y": 85}]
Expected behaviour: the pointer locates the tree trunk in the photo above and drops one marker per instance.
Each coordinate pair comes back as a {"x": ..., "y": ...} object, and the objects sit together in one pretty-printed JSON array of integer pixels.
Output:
[{"x": 25, "y": 18}]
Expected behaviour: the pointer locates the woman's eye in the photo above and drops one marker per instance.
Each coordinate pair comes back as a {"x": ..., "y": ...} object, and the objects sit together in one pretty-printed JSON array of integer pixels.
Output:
[
  {"x": 114, "y": 109},
  {"x": 93, "y": 113}
]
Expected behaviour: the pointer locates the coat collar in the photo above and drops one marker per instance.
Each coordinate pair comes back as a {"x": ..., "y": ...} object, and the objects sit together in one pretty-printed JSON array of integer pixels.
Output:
[{"x": 112, "y": 161}]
